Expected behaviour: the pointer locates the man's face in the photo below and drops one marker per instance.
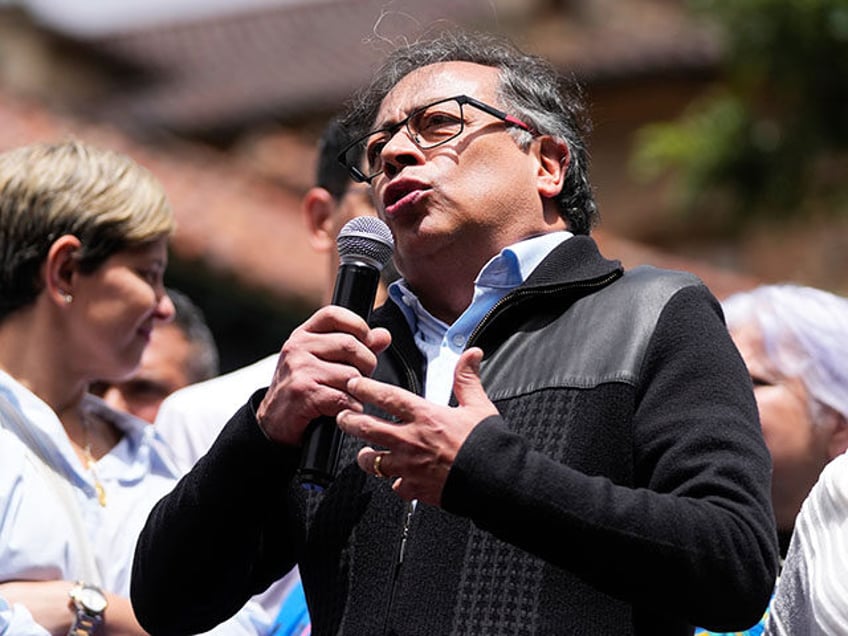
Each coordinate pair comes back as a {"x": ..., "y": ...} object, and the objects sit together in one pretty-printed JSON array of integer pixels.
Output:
[
  {"x": 163, "y": 370},
  {"x": 466, "y": 199}
]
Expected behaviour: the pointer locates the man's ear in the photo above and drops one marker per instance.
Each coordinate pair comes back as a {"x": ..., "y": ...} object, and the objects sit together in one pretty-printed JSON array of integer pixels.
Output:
[
  {"x": 318, "y": 208},
  {"x": 61, "y": 268},
  {"x": 554, "y": 158}
]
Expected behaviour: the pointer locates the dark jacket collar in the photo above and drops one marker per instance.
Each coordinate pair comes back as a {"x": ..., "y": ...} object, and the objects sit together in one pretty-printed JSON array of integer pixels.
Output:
[{"x": 573, "y": 261}]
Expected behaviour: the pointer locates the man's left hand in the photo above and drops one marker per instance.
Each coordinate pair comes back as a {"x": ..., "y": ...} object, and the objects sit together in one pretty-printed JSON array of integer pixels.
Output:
[{"x": 422, "y": 445}]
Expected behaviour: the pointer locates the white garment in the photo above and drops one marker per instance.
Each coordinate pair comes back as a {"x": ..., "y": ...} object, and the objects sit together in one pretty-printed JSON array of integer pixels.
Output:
[
  {"x": 812, "y": 594},
  {"x": 191, "y": 418},
  {"x": 36, "y": 538}
]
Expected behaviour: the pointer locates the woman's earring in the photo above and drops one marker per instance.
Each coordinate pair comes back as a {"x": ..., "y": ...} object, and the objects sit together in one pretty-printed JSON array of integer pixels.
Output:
[{"x": 68, "y": 298}]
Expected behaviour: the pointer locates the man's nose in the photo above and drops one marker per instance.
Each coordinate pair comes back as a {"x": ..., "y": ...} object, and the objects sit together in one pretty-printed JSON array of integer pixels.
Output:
[{"x": 401, "y": 150}]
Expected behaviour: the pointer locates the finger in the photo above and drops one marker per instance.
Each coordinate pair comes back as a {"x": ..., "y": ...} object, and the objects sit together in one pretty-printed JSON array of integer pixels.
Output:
[
  {"x": 285, "y": 412},
  {"x": 344, "y": 349},
  {"x": 378, "y": 340},
  {"x": 302, "y": 373},
  {"x": 392, "y": 399},
  {"x": 374, "y": 462},
  {"x": 335, "y": 319},
  {"x": 328, "y": 357},
  {"x": 402, "y": 490},
  {"x": 467, "y": 387},
  {"x": 368, "y": 428},
  {"x": 332, "y": 318}
]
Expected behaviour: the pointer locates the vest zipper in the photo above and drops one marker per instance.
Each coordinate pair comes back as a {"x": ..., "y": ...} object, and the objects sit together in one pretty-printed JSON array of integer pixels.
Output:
[{"x": 413, "y": 385}]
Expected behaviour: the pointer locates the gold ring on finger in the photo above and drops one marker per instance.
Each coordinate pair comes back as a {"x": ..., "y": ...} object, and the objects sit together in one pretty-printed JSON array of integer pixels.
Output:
[{"x": 377, "y": 461}]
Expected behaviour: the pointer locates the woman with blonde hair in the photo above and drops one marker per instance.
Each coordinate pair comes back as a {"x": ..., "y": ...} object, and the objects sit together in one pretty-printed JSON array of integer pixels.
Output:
[{"x": 83, "y": 250}]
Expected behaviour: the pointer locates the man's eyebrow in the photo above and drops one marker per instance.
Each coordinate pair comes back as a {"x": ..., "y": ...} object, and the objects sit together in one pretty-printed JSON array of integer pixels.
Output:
[
  {"x": 391, "y": 123},
  {"x": 388, "y": 124}
]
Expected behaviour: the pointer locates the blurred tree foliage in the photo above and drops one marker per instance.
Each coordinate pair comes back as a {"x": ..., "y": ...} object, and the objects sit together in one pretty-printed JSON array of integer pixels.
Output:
[{"x": 771, "y": 137}]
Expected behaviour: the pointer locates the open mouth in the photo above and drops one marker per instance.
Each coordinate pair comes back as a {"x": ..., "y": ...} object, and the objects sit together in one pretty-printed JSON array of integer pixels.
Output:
[{"x": 403, "y": 194}]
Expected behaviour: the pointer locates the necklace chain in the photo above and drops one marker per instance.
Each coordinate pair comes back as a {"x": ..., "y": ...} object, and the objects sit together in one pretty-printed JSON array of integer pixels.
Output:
[{"x": 90, "y": 462}]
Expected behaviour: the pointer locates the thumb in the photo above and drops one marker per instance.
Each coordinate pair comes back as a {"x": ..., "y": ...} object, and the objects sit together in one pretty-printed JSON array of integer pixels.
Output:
[{"x": 466, "y": 379}]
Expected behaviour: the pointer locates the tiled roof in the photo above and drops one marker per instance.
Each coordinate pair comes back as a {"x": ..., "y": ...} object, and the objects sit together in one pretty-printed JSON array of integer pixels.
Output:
[
  {"x": 615, "y": 39},
  {"x": 268, "y": 63},
  {"x": 281, "y": 62}
]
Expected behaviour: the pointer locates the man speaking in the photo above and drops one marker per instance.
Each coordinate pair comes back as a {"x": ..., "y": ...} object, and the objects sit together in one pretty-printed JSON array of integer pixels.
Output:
[{"x": 536, "y": 441}]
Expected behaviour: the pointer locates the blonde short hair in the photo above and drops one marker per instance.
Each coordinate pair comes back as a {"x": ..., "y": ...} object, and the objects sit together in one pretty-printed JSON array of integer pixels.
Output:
[{"x": 47, "y": 190}]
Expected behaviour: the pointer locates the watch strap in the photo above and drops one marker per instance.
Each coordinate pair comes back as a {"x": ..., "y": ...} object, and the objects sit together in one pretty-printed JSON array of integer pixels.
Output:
[
  {"x": 85, "y": 623},
  {"x": 87, "y": 619}
]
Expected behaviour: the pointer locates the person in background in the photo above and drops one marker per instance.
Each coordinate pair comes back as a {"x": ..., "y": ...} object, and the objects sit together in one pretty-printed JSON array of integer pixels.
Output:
[
  {"x": 181, "y": 352},
  {"x": 537, "y": 441},
  {"x": 191, "y": 418},
  {"x": 83, "y": 248},
  {"x": 794, "y": 340},
  {"x": 812, "y": 594}
]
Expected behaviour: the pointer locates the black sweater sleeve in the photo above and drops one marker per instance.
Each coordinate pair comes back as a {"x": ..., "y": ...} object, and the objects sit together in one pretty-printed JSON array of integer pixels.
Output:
[
  {"x": 695, "y": 533},
  {"x": 227, "y": 531}
]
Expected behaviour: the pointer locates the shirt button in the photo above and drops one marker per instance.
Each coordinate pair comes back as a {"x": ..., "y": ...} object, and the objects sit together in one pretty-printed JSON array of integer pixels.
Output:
[{"x": 459, "y": 340}]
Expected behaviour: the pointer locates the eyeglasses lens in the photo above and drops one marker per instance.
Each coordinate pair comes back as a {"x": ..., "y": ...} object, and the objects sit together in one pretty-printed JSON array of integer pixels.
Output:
[{"x": 428, "y": 127}]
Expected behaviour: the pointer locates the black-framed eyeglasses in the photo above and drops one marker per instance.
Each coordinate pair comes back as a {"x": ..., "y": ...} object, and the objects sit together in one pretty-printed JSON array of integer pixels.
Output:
[{"x": 429, "y": 126}]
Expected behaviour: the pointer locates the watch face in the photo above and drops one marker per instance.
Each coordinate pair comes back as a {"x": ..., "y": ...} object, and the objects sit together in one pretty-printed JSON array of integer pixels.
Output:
[{"x": 92, "y": 599}]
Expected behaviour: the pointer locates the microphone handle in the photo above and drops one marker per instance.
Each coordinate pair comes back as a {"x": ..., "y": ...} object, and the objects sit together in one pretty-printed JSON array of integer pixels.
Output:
[{"x": 356, "y": 289}]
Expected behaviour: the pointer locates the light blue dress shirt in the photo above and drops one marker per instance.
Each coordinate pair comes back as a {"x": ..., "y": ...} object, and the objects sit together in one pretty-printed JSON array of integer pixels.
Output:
[{"x": 442, "y": 344}]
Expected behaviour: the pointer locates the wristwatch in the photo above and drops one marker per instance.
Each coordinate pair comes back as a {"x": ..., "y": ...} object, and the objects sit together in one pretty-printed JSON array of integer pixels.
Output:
[{"x": 89, "y": 603}]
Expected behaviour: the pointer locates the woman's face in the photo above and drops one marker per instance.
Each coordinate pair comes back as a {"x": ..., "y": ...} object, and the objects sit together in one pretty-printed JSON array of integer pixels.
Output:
[
  {"x": 798, "y": 445},
  {"x": 115, "y": 308}
]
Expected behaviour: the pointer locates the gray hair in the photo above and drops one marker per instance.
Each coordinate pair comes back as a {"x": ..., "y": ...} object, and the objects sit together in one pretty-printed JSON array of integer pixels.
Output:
[
  {"x": 530, "y": 88},
  {"x": 805, "y": 335}
]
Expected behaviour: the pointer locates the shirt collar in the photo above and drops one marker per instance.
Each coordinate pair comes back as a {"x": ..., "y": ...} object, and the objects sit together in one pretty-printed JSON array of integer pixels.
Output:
[
  {"x": 139, "y": 448},
  {"x": 504, "y": 271}
]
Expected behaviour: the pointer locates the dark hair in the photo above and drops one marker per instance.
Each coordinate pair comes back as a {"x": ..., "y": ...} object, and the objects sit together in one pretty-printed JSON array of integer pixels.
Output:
[
  {"x": 530, "y": 88},
  {"x": 189, "y": 319},
  {"x": 330, "y": 174}
]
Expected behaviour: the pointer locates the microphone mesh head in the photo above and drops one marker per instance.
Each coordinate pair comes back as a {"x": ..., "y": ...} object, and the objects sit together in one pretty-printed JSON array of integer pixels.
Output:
[{"x": 366, "y": 238}]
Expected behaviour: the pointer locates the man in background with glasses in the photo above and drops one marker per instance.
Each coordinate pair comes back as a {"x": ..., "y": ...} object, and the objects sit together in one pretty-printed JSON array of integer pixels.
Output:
[{"x": 537, "y": 441}]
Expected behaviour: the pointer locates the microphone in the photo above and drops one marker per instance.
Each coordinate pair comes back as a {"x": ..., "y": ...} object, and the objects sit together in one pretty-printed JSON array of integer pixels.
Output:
[{"x": 365, "y": 245}]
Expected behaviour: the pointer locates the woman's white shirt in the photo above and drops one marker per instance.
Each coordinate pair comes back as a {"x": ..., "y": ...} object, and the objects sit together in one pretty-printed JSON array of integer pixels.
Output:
[
  {"x": 37, "y": 541},
  {"x": 812, "y": 594}
]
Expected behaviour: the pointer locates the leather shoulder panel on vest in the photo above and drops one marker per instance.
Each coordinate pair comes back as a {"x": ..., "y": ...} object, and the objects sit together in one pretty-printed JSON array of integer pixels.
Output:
[{"x": 600, "y": 338}]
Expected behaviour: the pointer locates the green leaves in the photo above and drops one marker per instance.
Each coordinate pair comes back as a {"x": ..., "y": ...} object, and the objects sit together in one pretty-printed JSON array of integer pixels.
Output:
[{"x": 767, "y": 137}]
